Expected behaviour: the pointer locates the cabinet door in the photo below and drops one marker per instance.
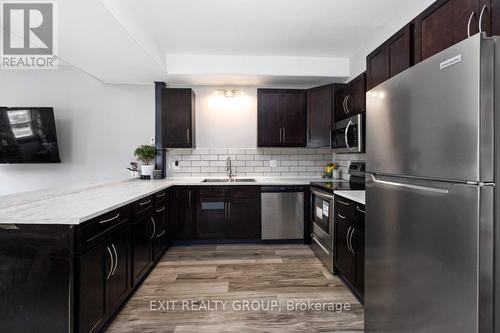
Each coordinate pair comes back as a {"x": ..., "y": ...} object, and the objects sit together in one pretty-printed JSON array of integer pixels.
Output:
[
  {"x": 356, "y": 97},
  {"x": 269, "y": 132},
  {"x": 339, "y": 97},
  {"x": 178, "y": 117},
  {"x": 376, "y": 67},
  {"x": 344, "y": 259},
  {"x": 141, "y": 243},
  {"x": 161, "y": 233},
  {"x": 211, "y": 217},
  {"x": 400, "y": 51},
  {"x": 358, "y": 246},
  {"x": 443, "y": 24},
  {"x": 183, "y": 213},
  {"x": 244, "y": 213},
  {"x": 119, "y": 282},
  {"x": 93, "y": 269},
  {"x": 293, "y": 118},
  {"x": 319, "y": 116}
]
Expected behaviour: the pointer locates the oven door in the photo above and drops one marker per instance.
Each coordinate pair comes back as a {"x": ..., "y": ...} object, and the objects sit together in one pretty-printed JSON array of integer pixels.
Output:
[
  {"x": 348, "y": 135},
  {"x": 322, "y": 217}
]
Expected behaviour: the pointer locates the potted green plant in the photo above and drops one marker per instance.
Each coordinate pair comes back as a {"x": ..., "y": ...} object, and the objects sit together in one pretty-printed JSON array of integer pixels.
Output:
[{"x": 146, "y": 154}]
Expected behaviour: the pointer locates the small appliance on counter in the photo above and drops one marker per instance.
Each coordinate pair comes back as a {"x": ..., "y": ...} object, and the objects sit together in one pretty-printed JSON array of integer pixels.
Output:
[{"x": 323, "y": 212}]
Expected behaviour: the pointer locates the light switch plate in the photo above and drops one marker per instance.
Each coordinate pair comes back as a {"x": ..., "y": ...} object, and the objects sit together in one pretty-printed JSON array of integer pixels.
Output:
[{"x": 273, "y": 163}]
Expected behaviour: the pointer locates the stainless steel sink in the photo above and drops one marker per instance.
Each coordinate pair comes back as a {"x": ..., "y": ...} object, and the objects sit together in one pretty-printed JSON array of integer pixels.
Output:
[{"x": 227, "y": 180}]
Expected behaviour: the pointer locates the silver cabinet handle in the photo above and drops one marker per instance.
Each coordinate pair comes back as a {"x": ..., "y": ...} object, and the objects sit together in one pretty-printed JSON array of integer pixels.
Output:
[
  {"x": 116, "y": 259},
  {"x": 341, "y": 216},
  {"x": 111, "y": 219},
  {"x": 160, "y": 234},
  {"x": 189, "y": 194},
  {"x": 229, "y": 210},
  {"x": 481, "y": 18},
  {"x": 321, "y": 246},
  {"x": 343, "y": 104},
  {"x": 350, "y": 241},
  {"x": 284, "y": 135},
  {"x": 281, "y": 137},
  {"x": 343, "y": 202},
  {"x": 161, "y": 195},
  {"x": 469, "y": 23},
  {"x": 225, "y": 210},
  {"x": 147, "y": 202},
  {"x": 360, "y": 210},
  {"x": 347, "y": 104},
  {"x": 188, "y": 137},
  {"x": 347, "y": 239},
  {"x": 330, "y": 138},
  {"x": 154, "y": 228},
  {"x": 346, "y": 133},
  {"x": 160, "y": 210},
  {"x": 112, "y": 263}
]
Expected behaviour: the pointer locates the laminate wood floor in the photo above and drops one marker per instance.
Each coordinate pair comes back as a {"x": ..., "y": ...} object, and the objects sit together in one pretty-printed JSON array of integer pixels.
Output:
[{"x": 268, "y": 278}]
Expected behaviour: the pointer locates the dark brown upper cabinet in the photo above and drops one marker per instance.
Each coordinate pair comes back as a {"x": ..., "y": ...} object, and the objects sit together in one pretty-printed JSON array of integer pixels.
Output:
[
  {"x": 445, "y": 23},
  {"x": 178, "y": 118},
  {"x": 281, "y": 118},
  {"x": 350, "y": 98},
  {"x": 391, "y": 58},
  {"x": 319, "y": 116}
]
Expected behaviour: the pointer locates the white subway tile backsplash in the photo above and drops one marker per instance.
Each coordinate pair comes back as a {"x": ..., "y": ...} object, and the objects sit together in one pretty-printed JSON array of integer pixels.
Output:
[{"x": 292, "y": 162}]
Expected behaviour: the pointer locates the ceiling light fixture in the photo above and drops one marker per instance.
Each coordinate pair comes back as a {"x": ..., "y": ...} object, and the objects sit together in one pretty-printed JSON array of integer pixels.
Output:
[{"x": 228, "y": 92}]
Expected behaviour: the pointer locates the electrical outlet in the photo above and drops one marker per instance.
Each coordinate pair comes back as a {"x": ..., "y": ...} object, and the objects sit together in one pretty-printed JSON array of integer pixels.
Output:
[
  {"x": 176, "y": 165},
  {"x": 273, "y": 163},
  {"x": 152, "y": 141}
]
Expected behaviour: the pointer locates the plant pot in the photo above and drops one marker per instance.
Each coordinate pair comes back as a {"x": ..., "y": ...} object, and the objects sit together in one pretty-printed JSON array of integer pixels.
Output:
[
  {"x": 134, "y": 174},
  {"x": 147, "y": 170}
]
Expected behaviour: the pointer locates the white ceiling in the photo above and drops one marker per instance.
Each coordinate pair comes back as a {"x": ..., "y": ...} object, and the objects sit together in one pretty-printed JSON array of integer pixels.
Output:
[
  {"x": 313, "y": 28},
  {"x": 134, "y": 41}
]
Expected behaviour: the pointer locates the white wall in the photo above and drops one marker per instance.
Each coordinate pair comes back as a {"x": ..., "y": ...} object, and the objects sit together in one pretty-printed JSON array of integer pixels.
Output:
[
  {"x": 223, "y": 122},
  {"x": 98, "y": 126}
]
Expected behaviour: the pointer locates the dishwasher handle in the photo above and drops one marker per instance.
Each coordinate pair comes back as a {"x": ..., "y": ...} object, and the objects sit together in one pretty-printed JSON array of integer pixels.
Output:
[{"x": 281, "y": 189}]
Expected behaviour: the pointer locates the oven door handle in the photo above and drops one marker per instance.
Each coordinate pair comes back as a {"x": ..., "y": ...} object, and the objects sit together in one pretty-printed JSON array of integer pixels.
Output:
[
  {"x": 320, "y": 245},
  {"x": 322, "y": 195}
]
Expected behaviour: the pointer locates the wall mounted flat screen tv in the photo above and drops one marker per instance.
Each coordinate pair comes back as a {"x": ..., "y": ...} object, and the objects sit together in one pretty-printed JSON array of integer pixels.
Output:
[{"x": 28, "y": 135}]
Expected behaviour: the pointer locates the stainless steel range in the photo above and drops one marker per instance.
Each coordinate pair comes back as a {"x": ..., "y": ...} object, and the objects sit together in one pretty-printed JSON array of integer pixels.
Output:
[{"x": 323, "y": 212}]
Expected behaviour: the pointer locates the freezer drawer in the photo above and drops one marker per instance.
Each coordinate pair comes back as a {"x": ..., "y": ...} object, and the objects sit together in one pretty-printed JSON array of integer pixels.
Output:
[{"x": 429, "y": 257}]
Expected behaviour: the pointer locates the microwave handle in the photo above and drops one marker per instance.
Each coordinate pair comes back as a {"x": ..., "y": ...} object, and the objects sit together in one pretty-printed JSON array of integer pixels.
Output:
[{"x": 345, "y": 134}]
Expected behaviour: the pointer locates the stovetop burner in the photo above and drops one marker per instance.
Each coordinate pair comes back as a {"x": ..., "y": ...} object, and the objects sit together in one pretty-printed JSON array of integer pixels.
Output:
[{"x": 356, "y": 181}]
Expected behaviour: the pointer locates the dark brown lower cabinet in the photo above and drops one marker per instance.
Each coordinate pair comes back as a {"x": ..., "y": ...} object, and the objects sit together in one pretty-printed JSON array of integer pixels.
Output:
[
  {"x": 93, "y": 267},
  {"x": 183, "y": 213},
  {"x": 141, "y": 247},
  {"x": 350, "y": 244},
  {"x": 228, "y": 212},
  {"x": 120, "y": 280},
  {"x": 161, "y": 238},
  {"x": 244, "y": 213},
  {"x": 103, "y": 280}
]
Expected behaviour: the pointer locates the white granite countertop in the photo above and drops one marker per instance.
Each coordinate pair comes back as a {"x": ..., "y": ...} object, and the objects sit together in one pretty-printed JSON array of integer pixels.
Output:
[
  {"x": 356, "y": 196},
  {"x": 75, "y": 205}
]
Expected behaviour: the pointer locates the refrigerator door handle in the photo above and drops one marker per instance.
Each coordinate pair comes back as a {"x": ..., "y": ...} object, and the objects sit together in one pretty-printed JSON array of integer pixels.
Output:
[{"x": 410, "y": 186}]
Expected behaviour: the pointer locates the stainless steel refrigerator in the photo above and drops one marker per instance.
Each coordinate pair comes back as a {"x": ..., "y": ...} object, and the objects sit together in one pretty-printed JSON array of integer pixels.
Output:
[{"x": 432, "y": 159}]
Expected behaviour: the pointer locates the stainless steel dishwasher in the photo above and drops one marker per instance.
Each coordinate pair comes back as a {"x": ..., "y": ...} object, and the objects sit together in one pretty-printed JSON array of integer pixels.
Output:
[{"x": 282, "y": 212}]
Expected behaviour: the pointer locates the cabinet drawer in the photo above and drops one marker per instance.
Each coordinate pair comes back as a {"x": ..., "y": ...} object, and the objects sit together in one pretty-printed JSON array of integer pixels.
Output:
[
  {"x": 142, "y": 207},
  {"x": 160, "y": 195},
  {"x": 97, "y": 229},
  {"x": 345, "y": 207}
]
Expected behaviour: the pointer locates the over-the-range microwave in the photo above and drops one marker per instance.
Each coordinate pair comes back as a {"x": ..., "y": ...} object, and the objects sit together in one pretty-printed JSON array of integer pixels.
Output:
[{"x": 349, "y": 134}]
